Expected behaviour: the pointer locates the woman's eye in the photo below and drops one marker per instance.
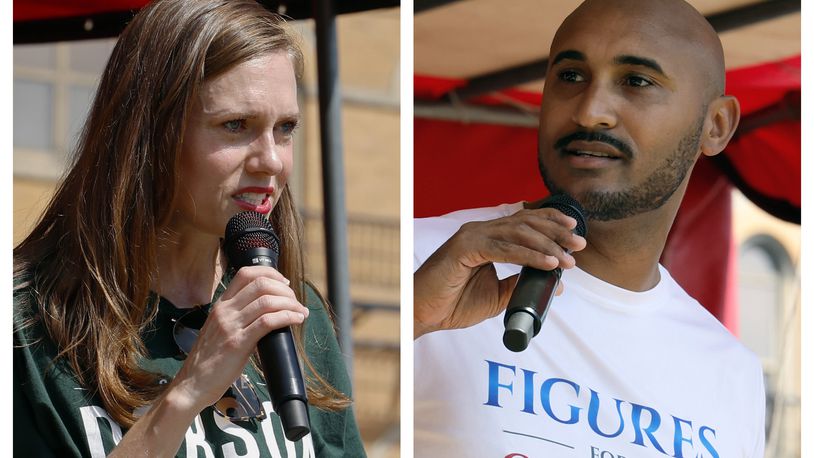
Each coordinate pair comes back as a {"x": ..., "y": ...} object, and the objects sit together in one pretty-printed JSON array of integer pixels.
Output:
[
  {"x": 235, "y": 125},
  {"x": 288, "y": 127},
  {"x": 571, "y": 76}
]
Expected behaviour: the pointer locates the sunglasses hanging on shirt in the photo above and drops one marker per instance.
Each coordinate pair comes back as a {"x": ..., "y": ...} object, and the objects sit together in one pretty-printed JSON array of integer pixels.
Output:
[{"x": 240, "y": 401}]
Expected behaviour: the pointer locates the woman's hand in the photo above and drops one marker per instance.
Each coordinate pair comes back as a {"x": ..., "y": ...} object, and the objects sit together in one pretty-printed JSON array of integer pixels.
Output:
[
  {"x": 257, "y": 301},
  {"x": 457, "y": 286}
]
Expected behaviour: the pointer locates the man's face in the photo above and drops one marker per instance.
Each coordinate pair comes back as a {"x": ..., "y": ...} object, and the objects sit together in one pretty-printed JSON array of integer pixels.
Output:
[{"x": 621, "y": 116}]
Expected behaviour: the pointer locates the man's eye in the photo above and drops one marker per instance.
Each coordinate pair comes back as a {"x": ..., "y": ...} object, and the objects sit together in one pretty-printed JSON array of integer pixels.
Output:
[
  {"x": 571, "y": 76},
  {"x": 637, "y": 81},
  {"x": 235, "y": 125}
]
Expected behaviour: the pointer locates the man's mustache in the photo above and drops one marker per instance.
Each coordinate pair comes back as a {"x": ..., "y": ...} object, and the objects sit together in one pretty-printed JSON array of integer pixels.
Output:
[{"x": 601, "y": 137}]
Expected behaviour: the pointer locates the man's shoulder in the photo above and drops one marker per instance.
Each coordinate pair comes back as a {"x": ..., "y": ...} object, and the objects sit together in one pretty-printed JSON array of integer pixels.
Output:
[
  {"x": 472, "y": 214},
  {"x": 709, "y": 328},
  {"x": 432, "y": 232}
]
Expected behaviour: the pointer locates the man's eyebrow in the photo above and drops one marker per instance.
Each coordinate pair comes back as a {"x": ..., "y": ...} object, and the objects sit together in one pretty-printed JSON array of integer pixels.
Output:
[
  {"x": 640, "y": 61},
  {"x": 568, "y": 54}
]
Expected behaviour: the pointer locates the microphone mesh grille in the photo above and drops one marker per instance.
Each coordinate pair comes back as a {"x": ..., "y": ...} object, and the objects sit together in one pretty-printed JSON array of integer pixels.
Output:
[
  {"x": 570, "y": 207},
  {"x": 247, "y": 230}
]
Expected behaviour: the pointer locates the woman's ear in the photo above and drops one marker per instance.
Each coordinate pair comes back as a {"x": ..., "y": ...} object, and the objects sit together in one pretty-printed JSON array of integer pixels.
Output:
[{"x": 723, "y": 115}]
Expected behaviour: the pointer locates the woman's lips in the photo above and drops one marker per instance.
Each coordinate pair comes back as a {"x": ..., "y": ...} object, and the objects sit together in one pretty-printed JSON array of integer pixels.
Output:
[{"x": 254, "y": 199}]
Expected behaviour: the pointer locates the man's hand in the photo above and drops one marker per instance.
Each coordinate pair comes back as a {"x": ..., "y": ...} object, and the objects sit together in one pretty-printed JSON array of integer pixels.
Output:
[{"x": 457, "y": 286}]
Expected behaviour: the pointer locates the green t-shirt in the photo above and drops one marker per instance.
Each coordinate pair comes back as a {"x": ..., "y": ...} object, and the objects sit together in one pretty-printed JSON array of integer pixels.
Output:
[{"x": 55, "y": 416}]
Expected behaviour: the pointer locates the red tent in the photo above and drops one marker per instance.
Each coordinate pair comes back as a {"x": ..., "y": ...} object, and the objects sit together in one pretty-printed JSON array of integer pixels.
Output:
[
  {"x": 40, "y": 21},
  {"x": 54, "y": 9}
]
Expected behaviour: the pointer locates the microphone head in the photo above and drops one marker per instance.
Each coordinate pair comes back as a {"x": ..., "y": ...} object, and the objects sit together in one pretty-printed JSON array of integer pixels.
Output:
[
  {"x": 247, "y": 235},
  {"x": 570, "y": 207}
]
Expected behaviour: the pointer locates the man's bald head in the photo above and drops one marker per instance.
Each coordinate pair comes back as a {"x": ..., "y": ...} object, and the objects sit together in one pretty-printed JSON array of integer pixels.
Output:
[
  {"x": 633, "y": 96},
  {"x": 682, "y": 27}
]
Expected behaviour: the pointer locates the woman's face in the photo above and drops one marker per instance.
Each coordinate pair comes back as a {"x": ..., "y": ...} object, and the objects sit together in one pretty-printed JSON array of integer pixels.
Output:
[{"x": 237, "y": 150}]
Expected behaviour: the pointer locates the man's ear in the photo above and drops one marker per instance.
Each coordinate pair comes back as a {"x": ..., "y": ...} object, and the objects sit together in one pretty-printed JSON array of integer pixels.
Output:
[{"x": 723, "y": 115}]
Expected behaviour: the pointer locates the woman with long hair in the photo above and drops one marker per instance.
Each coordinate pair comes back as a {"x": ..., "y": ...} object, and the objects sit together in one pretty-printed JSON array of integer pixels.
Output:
[{"x": 132, "y": 335}]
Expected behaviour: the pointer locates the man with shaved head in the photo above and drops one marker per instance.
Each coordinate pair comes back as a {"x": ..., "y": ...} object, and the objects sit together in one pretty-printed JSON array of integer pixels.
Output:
[{"x": 626, "y": 364}]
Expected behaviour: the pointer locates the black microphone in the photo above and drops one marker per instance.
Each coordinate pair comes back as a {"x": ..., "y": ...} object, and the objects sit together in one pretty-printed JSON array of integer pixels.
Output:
[
  {"x": 250, "y": 241},
  {"x": 535, "y": 288}
]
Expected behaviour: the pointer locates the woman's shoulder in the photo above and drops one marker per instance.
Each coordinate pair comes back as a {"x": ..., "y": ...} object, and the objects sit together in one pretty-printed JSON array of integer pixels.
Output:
[
  {"x": 319, "y": 335},
  {"x": 320, "y": 321},
  {"x": 24, "y": 305},
  {"x": 314, "y": 300},
  {"x": 22, "y": 286}
]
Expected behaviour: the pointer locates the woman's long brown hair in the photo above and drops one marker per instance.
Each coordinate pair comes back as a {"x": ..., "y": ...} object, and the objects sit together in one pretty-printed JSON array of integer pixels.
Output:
[{"x": 90, "y": 261}]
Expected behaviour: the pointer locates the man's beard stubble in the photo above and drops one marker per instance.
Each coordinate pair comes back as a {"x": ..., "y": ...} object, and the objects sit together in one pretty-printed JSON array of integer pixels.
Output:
[{"x": 648, "y": 195}]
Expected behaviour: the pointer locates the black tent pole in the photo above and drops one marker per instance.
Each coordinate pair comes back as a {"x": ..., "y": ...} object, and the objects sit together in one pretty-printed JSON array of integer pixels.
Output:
[{"x": 333, "y": 175}]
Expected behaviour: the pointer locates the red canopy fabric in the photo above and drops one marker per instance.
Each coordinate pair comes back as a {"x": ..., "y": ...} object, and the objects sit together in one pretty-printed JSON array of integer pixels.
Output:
[
  {"x": 31, "y": 10},
  {"x": 700, "y": 252},
  {"x": 765, "y": 158}
]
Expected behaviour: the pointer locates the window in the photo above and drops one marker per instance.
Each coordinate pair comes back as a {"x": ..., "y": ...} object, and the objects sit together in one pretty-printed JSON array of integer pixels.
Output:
[
  {"x": 765, "y": 271},
  {"x": 53, "y": 86}
]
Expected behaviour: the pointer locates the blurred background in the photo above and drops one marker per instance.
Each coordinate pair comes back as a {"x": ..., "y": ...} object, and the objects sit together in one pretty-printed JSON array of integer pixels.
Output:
[
  {"x": 479, "y": 67},
  {"x": 54, "y": 84}
]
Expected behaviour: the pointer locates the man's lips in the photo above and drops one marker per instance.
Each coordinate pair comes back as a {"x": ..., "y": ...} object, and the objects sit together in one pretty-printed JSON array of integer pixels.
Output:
[
  {"x": 598, "y": 146},
  {"x": 592, "y": 149}
]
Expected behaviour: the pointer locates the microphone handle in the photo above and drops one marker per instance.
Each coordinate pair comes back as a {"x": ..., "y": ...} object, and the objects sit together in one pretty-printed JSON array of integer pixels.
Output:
[
  {"x": 281, "y": 368},
  {"x": 528, "y": 306},
  {"x": 278, "y": 357}
]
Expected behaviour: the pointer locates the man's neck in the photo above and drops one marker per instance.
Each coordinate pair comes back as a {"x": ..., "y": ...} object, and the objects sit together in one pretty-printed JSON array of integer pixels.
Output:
[{"x": 626, "y": 253}]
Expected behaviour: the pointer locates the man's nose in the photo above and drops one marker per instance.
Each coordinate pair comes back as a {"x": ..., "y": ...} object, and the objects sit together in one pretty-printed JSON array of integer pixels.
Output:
[{"x": 595, "y": 109}]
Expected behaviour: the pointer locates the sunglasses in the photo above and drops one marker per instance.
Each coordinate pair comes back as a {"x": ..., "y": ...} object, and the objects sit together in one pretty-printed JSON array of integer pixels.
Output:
[{"x": 240, "y": 401}]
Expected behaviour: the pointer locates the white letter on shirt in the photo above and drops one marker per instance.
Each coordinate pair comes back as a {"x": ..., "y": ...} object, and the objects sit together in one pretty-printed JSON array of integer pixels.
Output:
[
  {"x": 90, "y": 414},
  {"x": 271, "y": 439},
  {"x": 196, "y": 437},
  {"x": 229, "y": 449}
]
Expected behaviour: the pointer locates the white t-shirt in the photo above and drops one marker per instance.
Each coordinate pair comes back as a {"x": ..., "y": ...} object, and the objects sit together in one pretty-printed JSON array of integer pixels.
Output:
[{"x": 612, "y": 373}]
